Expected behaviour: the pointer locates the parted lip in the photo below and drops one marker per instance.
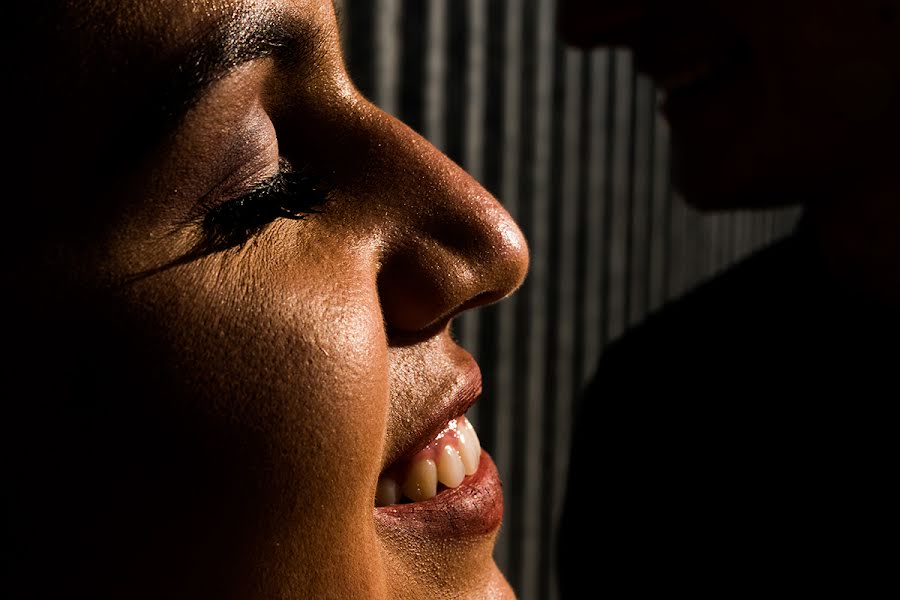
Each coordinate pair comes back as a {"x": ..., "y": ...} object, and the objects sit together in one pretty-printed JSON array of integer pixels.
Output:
[
  {"x": 450, "y": 402},
  {"x": 475, "y": 508}
]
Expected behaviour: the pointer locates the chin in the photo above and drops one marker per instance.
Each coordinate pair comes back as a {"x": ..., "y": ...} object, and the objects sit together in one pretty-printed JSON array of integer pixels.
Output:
[
  {"x": 442, "y": 547},
  {"x": 497, "y": 588},
  {"x": 490, "y": 585}
]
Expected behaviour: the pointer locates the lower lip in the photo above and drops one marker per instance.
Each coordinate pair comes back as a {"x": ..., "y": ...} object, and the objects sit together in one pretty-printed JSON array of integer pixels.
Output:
[{"x": 472, "y": 509}]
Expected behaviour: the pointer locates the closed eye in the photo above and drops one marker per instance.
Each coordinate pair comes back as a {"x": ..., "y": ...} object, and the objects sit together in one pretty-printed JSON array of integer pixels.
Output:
[{"x": 288, "y": 194}]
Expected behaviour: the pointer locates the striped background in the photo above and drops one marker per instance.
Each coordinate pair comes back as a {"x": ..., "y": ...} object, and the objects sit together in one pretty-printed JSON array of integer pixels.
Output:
[{"x": 571, "y": 144}]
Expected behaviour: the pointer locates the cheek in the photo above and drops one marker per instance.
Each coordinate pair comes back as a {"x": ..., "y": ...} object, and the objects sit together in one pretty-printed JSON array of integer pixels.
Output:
[
  {"x": 329, "y": 343},
  {"x": 314, "y": 343},
  {"x": 284, "y": 372}
]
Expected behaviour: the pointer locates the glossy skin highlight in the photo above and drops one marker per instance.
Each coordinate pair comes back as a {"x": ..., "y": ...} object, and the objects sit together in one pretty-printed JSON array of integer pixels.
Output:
[{"x": 243, "y": 403}]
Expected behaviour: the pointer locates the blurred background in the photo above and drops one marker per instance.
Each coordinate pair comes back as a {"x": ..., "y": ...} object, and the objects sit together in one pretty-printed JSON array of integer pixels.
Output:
[{"x": 570, "y": 142}]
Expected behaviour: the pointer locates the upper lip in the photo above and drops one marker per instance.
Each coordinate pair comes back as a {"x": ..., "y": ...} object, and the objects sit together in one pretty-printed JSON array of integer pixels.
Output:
[
  {"x": 663, "y": 67},
  {"x": 452, "y": 400}
]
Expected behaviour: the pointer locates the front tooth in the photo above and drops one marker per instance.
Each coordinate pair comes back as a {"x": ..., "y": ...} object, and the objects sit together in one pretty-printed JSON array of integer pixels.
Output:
[
  {"x": 468, "y": 449},
  {"x": 421, "y": 482},
  {"x": 474, "y": 435},
  {"x": 450, "y": 469},
  {"x": 387, "y": 492}
]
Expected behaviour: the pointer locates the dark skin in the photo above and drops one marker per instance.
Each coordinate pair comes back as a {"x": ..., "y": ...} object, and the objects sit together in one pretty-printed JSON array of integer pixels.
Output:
[{"x": 803, "y": 110}]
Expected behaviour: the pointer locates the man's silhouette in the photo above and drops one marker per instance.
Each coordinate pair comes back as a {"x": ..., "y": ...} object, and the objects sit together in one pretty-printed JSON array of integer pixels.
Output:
[{"x": 743, "y": 438}]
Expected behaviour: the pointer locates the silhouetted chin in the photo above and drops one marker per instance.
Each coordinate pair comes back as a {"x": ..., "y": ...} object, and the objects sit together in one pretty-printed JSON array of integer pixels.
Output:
[{"x": 704, "y": 189}]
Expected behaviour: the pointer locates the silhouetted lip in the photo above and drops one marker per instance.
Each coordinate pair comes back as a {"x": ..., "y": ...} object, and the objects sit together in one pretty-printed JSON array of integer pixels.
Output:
[
  {"x": 472, "y": 509},
  {"x": 690, "y": 80}
]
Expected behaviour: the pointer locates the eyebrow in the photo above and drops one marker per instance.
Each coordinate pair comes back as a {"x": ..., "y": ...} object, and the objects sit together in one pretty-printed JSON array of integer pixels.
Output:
[{"x": 227, "y": 43}]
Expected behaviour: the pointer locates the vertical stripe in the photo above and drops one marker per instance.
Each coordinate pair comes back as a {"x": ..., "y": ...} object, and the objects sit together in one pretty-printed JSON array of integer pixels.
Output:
[
  {"x": 696, "y": 258},
  {"x": 568, "y": 225},
  {"x": 580, "y": 232},
  {"x": 642, "y": 189},
  {"x": 473, "y": 98},
  {"x": 359, "y": 43},
  {"x": 622, "y": 189},
  {"x": 630, "y": 199},
  {"x": 554, "y": 301},
  {"x": 435, "y": 88},
  {"x": 660, "y": 234},
  {"x": 594, "y": 309},
  {"x": 648, "y": 112},
  {"x": 476, "y": 60},
  {"x": 737, "y": 236},
  {"x": 716, "y": 235},
  {"x": 711, "y": 243},
  {"x": 666, "y": 286},
  {"x": 606, "y": 290},
  {"x": 682, "y": 236},
  {"x": 457, "y": 106},
  {"x": 411, "y": 17},
  {"x": 492, "y": 151},
  {"x": 521, "y": 87},
  {"x": 507, "y": 343},
  {"x": 725, "y": 230},
  {"x": 387, "y": 54},
  {"x": 538, "y": 549},
  {"x": 458, "y": 103}
]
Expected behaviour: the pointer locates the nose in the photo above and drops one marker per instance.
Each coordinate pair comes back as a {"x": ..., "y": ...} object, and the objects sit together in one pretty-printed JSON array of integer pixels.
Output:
[
  {"x": 448, "y": 245},
  {"x": 591, "y": 23}
]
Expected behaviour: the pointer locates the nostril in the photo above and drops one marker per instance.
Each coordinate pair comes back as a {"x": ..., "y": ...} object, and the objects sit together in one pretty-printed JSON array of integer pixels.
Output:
[
  {"x": 482, "y": 299},
  {"x": 422, "y": 288},
  {"x": 398, "y": 336},
  {"x": 415, "y": 291}
]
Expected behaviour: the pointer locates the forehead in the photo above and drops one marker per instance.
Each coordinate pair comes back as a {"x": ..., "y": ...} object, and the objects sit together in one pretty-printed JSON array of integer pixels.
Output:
[
  {"x": 160, "y": 55},
  {"x": 174, "y": 32},
  {"x": 174, "y": 22},
  {"x": 111, "y": 79}
]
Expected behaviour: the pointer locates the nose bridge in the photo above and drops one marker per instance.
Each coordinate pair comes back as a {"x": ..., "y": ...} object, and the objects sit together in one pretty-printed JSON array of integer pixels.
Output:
[{"x": 449, "y": 244}]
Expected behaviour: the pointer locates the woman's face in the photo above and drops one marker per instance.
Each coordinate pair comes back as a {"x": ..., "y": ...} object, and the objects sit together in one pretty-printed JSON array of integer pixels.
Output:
[{"x": 253, "y": 375}]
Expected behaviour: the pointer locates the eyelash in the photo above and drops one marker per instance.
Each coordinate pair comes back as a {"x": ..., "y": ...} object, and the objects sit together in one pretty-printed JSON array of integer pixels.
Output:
[{"x": 288, "y": 194}]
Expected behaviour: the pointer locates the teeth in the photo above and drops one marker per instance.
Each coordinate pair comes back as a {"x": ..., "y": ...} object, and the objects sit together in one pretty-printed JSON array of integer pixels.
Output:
[
  {"x": 387, "y": 492},
  {"x": 450, "y": 470},
  {"x": 421, "y": 482},
  {"x": 469, "y": 447},
  {"x": 454, "y": 453}
]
